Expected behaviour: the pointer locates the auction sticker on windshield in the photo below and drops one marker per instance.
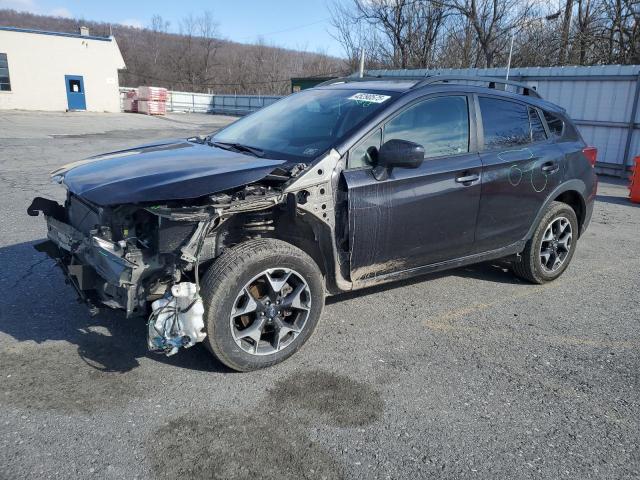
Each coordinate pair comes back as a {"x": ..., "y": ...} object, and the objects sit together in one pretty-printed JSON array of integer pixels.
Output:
[{"x": 369, "y": 97}]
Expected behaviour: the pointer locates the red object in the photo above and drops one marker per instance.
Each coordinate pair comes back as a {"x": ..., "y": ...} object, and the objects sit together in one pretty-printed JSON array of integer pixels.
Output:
[
  {"x": 152, "y": 100},
  {"x": 634, "y": 185},
  {"x": 130, "y": 101},
  {"x": 592, "y": 154},
  {"x": 130, "y": 105}
]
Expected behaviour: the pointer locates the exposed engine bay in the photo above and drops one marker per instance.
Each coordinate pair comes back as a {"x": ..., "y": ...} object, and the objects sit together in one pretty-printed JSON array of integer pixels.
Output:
[{"x": 145, "y": 258}]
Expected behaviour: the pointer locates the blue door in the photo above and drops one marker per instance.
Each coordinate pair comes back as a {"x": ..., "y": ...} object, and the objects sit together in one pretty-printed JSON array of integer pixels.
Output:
[{"x": 75, "y": 92}]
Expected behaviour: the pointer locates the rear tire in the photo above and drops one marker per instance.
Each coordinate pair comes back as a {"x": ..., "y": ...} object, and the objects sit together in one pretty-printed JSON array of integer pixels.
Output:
[
  {"x": 252, "y": 319},
  {"x": 550, "y": 250}
]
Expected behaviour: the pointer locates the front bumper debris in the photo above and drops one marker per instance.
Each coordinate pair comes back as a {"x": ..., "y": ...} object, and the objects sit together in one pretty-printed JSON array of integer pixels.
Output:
[{"x": 100, "y": 270}]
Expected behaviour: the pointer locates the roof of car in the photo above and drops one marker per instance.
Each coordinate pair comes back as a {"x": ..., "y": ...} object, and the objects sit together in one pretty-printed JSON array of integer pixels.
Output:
[
  {"x": 382, "y": 85},
  {"x": 403, "y": 85}
]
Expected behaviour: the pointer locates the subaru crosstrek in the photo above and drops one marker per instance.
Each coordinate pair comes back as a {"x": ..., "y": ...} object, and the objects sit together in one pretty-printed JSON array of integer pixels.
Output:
[{"x": 235, "y": 239}]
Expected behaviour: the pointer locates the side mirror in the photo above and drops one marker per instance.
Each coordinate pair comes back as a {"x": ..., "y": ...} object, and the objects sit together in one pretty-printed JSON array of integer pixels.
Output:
[{"x": 397, "y": 153}]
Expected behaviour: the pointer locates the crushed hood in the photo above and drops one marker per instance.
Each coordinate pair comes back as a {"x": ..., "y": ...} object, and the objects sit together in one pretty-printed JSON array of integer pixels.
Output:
[{"x": 175, "y": 170}]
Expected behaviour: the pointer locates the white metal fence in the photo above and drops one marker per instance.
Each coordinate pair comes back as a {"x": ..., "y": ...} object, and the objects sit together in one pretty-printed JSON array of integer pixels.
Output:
[{"x": 211, "y": 103}]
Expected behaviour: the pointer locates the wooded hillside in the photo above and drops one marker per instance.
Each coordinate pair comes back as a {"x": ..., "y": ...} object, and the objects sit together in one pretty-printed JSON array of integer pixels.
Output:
[{"x": 195, "y": 60}]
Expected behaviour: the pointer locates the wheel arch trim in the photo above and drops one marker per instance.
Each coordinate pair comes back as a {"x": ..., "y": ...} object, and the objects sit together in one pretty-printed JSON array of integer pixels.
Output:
[{"x": 575, "y": 185}]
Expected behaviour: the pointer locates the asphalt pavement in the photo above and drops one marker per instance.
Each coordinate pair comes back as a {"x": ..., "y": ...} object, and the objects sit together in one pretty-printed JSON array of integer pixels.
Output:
[{"x": 470, "y": 373}]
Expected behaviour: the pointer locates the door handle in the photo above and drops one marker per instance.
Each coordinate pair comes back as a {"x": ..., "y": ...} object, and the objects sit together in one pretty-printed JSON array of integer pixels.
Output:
[
  {"x": 468, "y": 178},
  {"x": 550, "y": 167}
]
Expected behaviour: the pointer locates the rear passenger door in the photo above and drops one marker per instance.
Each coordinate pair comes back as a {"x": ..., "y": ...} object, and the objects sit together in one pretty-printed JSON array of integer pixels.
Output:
[{"x": 520, "y": 167}]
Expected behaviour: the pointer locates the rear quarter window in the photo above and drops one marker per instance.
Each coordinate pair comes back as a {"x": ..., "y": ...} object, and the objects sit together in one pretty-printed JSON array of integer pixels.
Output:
[
  {"x": 537, "y": 128},
  {"x": 555, "y": 124}
]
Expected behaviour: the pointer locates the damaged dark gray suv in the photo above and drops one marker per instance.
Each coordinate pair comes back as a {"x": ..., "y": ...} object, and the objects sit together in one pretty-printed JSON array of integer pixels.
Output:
[{"x": 236, "y": 238}]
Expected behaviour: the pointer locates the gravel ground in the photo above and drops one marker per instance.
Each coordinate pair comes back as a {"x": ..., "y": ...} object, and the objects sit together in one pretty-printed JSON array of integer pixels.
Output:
[{"x": 465, "y": 374}]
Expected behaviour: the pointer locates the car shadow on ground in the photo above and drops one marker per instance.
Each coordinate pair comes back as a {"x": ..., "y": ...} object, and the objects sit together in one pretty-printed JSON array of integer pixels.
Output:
[
  {"x": 616, "y": 200},
  {"x": 38, "y": 306}
]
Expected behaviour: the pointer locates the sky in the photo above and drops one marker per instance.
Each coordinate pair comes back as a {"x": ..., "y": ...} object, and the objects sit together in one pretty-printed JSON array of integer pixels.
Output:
[{"x": 297, "y": 24}]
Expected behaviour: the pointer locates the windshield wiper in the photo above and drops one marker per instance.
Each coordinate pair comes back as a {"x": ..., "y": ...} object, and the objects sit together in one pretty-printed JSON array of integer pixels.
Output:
[{"x": 238, "y": 147}]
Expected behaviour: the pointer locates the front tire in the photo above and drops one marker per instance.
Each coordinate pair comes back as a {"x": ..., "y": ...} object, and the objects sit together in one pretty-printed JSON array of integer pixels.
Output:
[
  {"x": 263, "y": 299},
  {"x": 550, "y": 250}
]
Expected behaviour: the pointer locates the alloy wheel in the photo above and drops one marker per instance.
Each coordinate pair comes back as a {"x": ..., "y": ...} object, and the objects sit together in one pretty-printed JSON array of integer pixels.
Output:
[
  {"x": 270, "y": 311},
  {"x": 556, "y": 244}
]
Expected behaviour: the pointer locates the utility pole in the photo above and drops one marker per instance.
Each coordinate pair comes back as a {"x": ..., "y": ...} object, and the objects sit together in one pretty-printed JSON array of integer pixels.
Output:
[
  {"x": 510, "y": 53},
  {"x": 362, "y": 62},
  {"x": 553, "y": 16},
  {"x": 566, "y": 30}
]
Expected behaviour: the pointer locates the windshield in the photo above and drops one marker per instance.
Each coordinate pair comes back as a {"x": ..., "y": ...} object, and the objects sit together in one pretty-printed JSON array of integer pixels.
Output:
[{"x": 304, "y": 125}]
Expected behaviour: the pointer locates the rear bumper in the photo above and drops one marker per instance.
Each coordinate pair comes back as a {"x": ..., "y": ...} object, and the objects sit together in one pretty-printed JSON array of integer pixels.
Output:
[{"x": 589, "y": 204}]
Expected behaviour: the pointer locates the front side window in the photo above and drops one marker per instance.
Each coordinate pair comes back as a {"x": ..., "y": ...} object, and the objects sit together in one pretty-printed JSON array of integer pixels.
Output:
[
  {"x": 304, "y": 125},
  {"x": 5, "y": 83},
  {"x": 506, "y": 124},
  {"x": 440, "y": 125}
]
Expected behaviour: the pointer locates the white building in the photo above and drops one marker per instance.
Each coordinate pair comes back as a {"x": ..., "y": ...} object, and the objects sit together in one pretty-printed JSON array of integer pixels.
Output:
[{"x": 58, "y": 71}]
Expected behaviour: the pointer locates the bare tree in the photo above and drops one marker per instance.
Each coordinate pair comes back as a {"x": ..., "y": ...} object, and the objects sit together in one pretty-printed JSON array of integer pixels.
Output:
[
  {"x": 401, "y": 33},
  {"x": 355, "y": 35},
  {"x": 566, "y": 27},
  {"x": 622, "y": 30},
  {"x": 427, "y": 20},
  {"x": 584, "y": 30},
  {"x": 492, "y": 21}
]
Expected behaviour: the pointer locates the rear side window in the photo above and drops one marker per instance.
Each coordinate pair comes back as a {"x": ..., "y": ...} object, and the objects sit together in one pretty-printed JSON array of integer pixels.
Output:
[
  {"x": 555, "y": 124},
  {"x": 506, "y": 124},
  {"x": 537, "y": 129}
]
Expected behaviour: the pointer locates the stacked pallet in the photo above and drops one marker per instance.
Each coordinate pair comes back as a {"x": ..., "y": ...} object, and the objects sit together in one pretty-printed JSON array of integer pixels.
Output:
[
  {"x": 131, "y": 101},
  {"x": 152, "y": 107},
  {"x": 152, "y": 100}
]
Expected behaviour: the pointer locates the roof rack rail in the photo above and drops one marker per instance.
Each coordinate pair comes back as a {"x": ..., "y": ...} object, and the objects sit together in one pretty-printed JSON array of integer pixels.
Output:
[
  {"x": 369, "y": 79},
  {"x": 492, "y": 81},
  {"x": 422, "y": 81}
]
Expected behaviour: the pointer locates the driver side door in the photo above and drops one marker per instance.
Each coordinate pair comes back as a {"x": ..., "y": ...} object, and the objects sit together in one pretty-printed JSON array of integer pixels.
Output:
[{"x": 420, "y": 216}]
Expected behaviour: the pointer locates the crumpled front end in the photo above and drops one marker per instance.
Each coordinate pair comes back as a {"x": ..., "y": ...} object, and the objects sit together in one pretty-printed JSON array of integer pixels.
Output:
[
  {"x": 101, "y": 270},
  {"x": 144, "y": 259},
  {"x": 127, "y": 257}
]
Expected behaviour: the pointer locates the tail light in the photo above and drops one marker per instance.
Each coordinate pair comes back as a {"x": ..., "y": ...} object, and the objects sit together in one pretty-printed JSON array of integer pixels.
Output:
[{"x": 592, "y": 154}]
